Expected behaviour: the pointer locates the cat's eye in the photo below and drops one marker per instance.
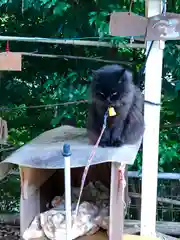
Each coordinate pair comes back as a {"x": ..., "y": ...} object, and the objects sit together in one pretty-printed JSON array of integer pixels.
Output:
[
  {"x": 102, "y": 94},
  {"x": 114, "y": 94}
]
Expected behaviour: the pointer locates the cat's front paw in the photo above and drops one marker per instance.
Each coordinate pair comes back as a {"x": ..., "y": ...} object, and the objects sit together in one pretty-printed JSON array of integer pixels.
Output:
[
  {"x": 116, "y": 143},
  {"x": 104, "y": 143},
  {"x": 116, "y": 140}
]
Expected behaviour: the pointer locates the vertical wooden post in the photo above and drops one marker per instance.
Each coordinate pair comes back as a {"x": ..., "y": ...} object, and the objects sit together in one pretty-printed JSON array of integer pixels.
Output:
[
  {"x": 116, "y": 220},
  {"x": 153, "y": 82}
]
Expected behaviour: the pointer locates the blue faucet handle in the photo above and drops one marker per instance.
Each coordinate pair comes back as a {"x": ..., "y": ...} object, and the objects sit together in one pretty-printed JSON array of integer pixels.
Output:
[{"x": 66, "y": 150}]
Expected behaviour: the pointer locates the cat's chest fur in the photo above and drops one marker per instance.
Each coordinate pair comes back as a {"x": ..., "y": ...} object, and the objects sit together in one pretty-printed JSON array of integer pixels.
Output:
[{"x": 111, "y": 120}]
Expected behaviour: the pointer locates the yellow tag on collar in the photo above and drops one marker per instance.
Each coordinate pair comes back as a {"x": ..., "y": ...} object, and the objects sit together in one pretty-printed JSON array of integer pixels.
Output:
[{"x": 111, "y": 112}]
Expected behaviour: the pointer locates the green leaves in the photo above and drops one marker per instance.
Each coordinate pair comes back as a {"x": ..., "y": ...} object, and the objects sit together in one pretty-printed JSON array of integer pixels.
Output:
[
  {"x": 60, "y": 8},
  {"x": 9, "y": 194},
  {"x": 2, "y": 2},
  {"x": 169, "y": 149},
  {"x": 177, "y": 85},
  {"x": 98, "y": 19},
  {"x": 61, "y": 89}
]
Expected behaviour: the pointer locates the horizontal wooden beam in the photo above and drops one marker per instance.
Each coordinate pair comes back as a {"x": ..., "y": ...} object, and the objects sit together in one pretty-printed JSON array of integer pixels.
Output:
[
  {"x": 170, "y": 228},
  {"x": 159, "y": 199}
]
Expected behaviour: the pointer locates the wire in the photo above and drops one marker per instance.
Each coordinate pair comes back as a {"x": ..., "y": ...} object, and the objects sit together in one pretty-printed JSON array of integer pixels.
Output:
[
  {"x": 98, "y": 38},
  {"x": 164, "y": 7},
  {"x": 90, "y": 161},
  {"x": 7, "y": 46},
  {"x": 143, "y": 68},
  {"x": 43, "y": 105},
  {"x": 130, "y": 7}
]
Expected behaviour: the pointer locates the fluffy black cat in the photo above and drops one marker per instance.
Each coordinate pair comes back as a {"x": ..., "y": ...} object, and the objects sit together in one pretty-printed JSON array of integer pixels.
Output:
[{"x": 112, "y": 85}]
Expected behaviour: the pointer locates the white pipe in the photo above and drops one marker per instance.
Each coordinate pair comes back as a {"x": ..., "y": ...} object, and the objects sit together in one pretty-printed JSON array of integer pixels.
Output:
[
  {"x": 68, "y": 197},
  {"x": 67, "y": 180}
]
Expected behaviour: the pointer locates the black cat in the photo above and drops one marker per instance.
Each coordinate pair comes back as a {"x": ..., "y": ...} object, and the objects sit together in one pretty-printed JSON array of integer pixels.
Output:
[{"x": 112, "y": 85}]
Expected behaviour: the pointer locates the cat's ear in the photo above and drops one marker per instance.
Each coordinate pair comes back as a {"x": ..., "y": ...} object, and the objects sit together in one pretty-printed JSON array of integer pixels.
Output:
[
  {"x": 93, "y": 72},
  {"x": 123, "y": 72},
  {"x": 129, "y": 74},
  {"x": 121, "y": 75},
  {"x": 126, "y": 74}
]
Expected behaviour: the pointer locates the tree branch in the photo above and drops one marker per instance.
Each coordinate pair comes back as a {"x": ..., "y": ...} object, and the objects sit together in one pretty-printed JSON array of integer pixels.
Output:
[
  {"x": 74, "y": 57},
  {"x": 177, "y": 124}
]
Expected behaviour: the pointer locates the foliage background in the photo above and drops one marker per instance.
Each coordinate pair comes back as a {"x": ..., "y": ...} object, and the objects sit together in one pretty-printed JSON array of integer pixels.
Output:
[{"x": 52, "y": 81}]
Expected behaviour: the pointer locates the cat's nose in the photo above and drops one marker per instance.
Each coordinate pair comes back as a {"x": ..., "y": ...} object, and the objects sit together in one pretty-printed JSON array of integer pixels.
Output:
[{"x": 109, "y": 100}]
